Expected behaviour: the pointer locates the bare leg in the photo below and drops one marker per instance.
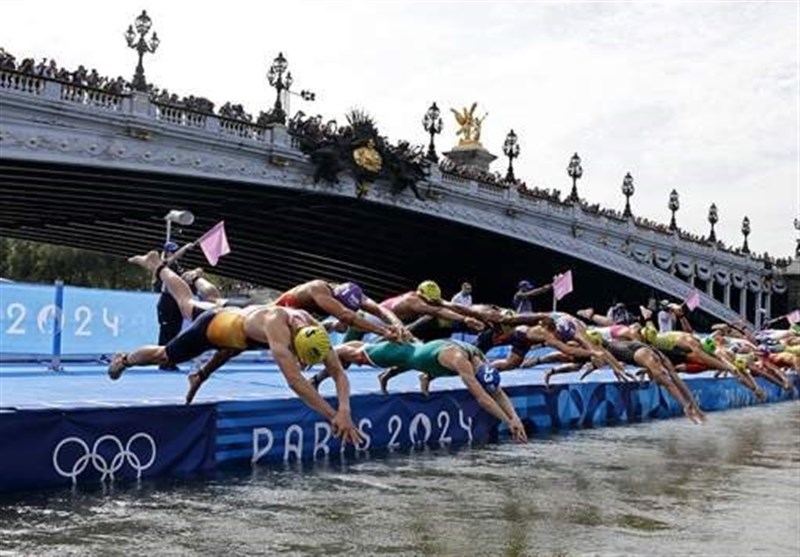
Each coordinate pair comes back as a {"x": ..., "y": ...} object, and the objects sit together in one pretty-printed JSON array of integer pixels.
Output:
[
  {"x": 174, "y": 284},
  {"x": 146, "y": 355},
  {"x": 565, "y": 368}
]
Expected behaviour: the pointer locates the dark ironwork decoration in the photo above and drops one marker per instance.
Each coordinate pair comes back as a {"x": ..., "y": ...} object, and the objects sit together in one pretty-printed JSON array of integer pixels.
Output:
[
  {"x": 575, "y": 171},
  {"x": 746, "y": 233},
  {"x": 511, "y": 150},
  {"x": 360, "y": 149},
  {"x": 627, "y": 191},
  {"x": 432, "y": 124},
  {"x": 142, "y": 46},
  {"x": 713, "y": 218},
  {"x": 673, "y": 205}
]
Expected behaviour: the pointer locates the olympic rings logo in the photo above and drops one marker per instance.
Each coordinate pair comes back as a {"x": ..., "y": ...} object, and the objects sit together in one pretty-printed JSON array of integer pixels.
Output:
[{"x": 100, "y": 462}]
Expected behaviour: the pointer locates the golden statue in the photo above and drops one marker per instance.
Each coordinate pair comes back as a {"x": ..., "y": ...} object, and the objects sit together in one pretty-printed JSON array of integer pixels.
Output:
[
  {"x": 469, "y": 126},
  {"x": 367, "y": 157}
]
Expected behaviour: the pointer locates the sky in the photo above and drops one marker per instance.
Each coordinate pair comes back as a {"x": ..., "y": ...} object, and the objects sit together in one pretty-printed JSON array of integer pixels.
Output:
[{"x": 700, "y": 97}]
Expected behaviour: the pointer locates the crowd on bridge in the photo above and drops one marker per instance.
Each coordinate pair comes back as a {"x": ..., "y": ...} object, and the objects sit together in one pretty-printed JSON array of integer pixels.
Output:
[{"x": 419, "y": 330}]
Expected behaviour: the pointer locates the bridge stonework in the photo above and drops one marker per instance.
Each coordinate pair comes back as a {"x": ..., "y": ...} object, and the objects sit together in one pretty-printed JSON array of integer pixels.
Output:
[{"x": 45, "y": 121}]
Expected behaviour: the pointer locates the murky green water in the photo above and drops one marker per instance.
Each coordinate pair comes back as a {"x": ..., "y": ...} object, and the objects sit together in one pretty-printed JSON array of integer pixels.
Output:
[{"x": 668, "y": 488}]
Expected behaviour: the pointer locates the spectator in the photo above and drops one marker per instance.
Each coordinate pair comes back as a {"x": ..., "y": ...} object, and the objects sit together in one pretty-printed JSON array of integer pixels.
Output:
[
  {"x": 619, "y": 314},
  {"x": 463, "y": 296},
  {"x": 526, "y": 291},
  {"x": 170, "y": 319}
]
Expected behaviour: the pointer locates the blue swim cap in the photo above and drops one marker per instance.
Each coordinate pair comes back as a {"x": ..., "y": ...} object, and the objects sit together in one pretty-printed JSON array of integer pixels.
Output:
[
  {"x": 170, "y": 247},
  {"x": 488, "y": 377},
  {"x": 565, "y": 329},
  {"x": 524, "y": 285},
  {"x": 349, "y": 294}
]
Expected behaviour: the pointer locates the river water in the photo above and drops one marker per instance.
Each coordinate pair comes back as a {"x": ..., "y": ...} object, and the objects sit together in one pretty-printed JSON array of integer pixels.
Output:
[{"x": 731, "y": 487}]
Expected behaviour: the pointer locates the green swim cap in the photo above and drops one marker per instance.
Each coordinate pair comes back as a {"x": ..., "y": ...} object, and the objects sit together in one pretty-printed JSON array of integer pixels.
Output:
[{"x": 709, "y": 346}]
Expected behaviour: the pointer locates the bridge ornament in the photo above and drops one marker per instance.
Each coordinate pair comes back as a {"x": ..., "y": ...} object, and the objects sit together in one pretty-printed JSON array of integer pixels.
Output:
[{"x": 45, "y": 120}]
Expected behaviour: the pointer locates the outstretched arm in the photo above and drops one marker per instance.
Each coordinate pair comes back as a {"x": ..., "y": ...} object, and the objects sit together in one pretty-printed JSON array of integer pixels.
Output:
[
  {"x": 332, "y": 306},
  {"x": 180, "y": 253},
  {"x": 342, "y": 422},
  {"x": 517, "y": 429}
]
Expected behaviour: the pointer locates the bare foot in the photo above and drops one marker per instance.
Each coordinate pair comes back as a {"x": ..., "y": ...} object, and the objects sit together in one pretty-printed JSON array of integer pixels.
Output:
[
  {"x": 117, "y": 366},
  {"x": 383, "y": 379},
  {"x": 425, "y": 384},
  {"x": 195, "y": 380},
  {"x": 760, "y": 395},
  {"x": 586, "y": 313},
  {"x": 150, "y": 261}
]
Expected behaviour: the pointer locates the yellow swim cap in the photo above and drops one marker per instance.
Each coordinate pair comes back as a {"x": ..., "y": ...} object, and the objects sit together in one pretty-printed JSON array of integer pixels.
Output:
[
  {"x": 649, "y": 334},
  {"x": 595, "y": 336},
  {"x": 312, "y": 344},
  {"x": 430, "y": 291}
]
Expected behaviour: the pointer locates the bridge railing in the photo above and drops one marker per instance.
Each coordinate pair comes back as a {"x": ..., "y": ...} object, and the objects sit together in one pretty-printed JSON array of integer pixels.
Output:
[
  {"x": 80, "y": 94},
  {"x": 21, "y": 82},
  {"x": 245, "y": 130},
  {"x": 180, "y": 116}
]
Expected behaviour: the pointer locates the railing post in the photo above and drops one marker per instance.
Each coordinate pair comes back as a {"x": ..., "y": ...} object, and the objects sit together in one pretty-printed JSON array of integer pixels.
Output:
[
  {"x": 51, "y": 90},
  {"x": 140, "y": 104},
  {"x": 55, "y": 361},
  {"x": 280, "y": 136}
]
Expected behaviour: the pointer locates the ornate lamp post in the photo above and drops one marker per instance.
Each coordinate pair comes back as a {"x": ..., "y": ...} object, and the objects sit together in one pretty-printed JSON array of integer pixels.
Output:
[
  {"x": 432, "y": 124},
  {"x": 627, "y": 191},
  {"x": 713, "y": 218},
  {"x": 575, "y": 172},
  {"x": 281, "y": 83},
  {"x": 511, "y": 150},
  {"x": 674, "y": 204},
  {"x": 142, "y": 24},
  {"x": 746, "y": 232}
]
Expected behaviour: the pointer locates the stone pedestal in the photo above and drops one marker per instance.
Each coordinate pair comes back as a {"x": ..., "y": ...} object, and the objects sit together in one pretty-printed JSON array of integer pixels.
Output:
[{"x": 471, "y": 155}]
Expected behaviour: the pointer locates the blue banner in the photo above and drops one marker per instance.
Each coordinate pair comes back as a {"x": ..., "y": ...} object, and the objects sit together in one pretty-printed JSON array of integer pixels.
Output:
[
  {"x": 287, "y": 430},
  {"x": 92, "y": 321},
  {"x": 79, "y": 447}
]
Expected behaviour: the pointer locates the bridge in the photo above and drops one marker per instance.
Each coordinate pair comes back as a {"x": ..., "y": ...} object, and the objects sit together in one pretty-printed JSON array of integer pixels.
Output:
[{"x": 98, "y": 170}]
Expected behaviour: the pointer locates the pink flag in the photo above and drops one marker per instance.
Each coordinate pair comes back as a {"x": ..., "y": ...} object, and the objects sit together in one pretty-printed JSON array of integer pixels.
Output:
[
  {"x": 794, "y": 317},
  {"x": 693, "y": 301},
  {"x": 562, "y": 285},
  {"x": 215, "y": 243}
]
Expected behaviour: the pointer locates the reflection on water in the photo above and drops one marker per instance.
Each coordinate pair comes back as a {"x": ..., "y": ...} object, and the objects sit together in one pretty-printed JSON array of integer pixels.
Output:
[{"x": 667, "y": 488}]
